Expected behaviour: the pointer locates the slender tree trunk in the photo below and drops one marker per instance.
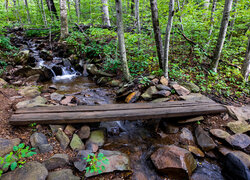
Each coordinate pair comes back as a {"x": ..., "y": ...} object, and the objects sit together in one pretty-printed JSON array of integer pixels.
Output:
[
  {"x": 77, "y": 7},
  {"x": 120, "y": 32},
  {"x": 105, "y": 11},
  {"x": 52, "y": 8},
  {"x": 43, "y": 14},
  {"x": 211, "y": 20},
  {"x": 157, "y": 31},
  {"x": 179, "y": 9},
  {"x": 168, "y": 31},
  {"x": 132, "y": 7},
  {"x": 231, "y": 23},
  {"x": 64, "y": 21},
  {"x": 27, "y": 10},
  {"x": 138, "y": 23},
  {"x": 17, "y": 12},
  {"x": 222, "y": 34},
  {"x": 245, "y": 69}
]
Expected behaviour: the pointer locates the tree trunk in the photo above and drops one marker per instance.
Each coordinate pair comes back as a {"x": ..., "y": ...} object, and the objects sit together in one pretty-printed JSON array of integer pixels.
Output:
[
  {"x": 105, "y": 11},
  {"x": 179, "y": 9},
  {"x": 168, "y": 31},
  {"x": 132, "y": 7},
  {"x": 27, "y": 10},
  {"x": 231, "y": 23},
  {"x": 43, "y": 14},
  {"x": 245, "y": 69},
  {"x": 157, "y": 31},
  {"x": 64, "y": 22},
  {"x": 52, "y": 8},
  {"x": 77, "y": 7},
  {"x": 211, "y": 20},
  {"x": 17, "y": 11},
  {"x": 120, "y": 32},
  {"x": 222, "y": 34}
]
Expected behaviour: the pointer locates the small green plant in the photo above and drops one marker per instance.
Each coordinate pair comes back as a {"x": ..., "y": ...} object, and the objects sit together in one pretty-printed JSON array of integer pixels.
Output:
[
  {"x": 95, "y": 163},
  {"x": 144, "y": 81},
  {"x": 16, "y": 158},
  {"x": 33, "y": 125},
  {"x": 198, "y": 122}
]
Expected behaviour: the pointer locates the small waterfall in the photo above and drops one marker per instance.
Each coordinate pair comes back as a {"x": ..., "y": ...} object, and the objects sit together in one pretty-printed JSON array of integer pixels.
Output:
[{"x": 67, "y": 75}]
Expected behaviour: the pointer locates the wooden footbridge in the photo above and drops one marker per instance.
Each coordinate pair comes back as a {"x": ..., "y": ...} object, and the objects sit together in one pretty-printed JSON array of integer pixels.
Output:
[{"x": 113, "y": 112}]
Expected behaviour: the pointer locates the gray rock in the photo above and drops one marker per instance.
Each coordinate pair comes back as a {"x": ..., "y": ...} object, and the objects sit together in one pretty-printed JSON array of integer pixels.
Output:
[
  {"x": 180, "y": 90},
  {"x": 84, "y": 132},
  {"x": 40, "y": 142},
  {"x": 54, "y": 128},
  {"x": 159, "y": 100},
  {"x": 187, "y": 136},
  {"x": 6, "y": 145},
  {"x": 240, "y": 113},
  {"x": 115, "y": 83},
  {"x": 64, "y": 174},
  {"x": 219, "y": 133},
  {"x": 173, "y": 161},
  {"x": 195, "y": 150},
  {"x": 147, "y": 95},
  {"x": 30, "y": 171},
  {"x": 245, "y": 158},
  {"x": 79, "y": 162},
  {"x": 235, "y": 168},
  {"x": 163, "y": 87},
  {"x": 56, "y": 97},
  {"x": 22, "y": 57},
  {"x": 62, "y": 138},
  {"x": 29, "y": 91},
  {"x": 36, "y": 102},
  {"x": 117, "y": 162},
  {"x": 162, "y": 93},
  {"x": 241, "y": 141},
  {"x": 196, "y": 97},
  {"x": 76, "y": 143},
  {"x": 238, "y": 126},
  {"x": 56, "y": 161},
  {"x": 91, "y": 68},
  {"x": 46, "y": 55},
  {"x": 2, "y": 82},
  {"x": 204, "y": 140},
  {"x": 191, "y": 86},
  {"x": 96, "y": 137},
  {"x": 69, "y": 130},
  {"x": 133, "y": 97},
  {"x": 164, "y": 80}
]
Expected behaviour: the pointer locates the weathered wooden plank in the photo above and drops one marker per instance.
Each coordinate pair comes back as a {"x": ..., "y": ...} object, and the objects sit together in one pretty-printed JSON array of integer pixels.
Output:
[
  {"x": 113, "y": 115},
  {"x": 108, "y": 107}
]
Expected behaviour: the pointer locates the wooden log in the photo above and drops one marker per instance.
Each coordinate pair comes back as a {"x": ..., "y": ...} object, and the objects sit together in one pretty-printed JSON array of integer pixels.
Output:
[{"x": 114, "y": 115}]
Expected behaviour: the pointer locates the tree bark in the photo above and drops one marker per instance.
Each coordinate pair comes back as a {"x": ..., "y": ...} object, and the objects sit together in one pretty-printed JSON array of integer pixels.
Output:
[
  {"x": 105, "y": 11},
  {"x": 211, "y": 21},
  {"x": 157, "y": 31},
  {"x": 27, "y": 10},
  {"x": 231, "y": 23},
  {"x": 77, "y": 7},
  {"x": 120, "y": 32},
  {"x": 222, "y": 34},
  {"x": 64, "y": 21},
  {"x": 52, "y": 8},
  {"x": 179, "y": 9},
  {"x": 167, "y": 39},
  {"x": 43, "y": 14},
  {"x": 245, "y": 69}
]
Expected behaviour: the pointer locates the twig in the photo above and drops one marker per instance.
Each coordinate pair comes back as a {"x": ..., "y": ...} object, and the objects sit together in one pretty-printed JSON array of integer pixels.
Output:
[{"x": 81, "y": 30}]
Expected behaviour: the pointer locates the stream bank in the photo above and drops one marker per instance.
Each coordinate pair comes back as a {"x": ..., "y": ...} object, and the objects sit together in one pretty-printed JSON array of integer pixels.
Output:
[{"x": 136, "y": 149}]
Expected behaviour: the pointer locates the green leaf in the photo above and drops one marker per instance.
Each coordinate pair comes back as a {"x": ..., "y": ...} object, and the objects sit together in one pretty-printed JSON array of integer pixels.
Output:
[
  {"x": 99, "y": 171},
  {"x": 15, "y": 148},
  {"x": 88, "y": 160},
  {"x": 21, "y": 146},
  {"x": 92, "y": 170},
  {"x": 103, "y": 168},
  {"x": 87, "y": 169},
  {"x": 98, "y": 163},
  {"x": 13, "y": 166}
]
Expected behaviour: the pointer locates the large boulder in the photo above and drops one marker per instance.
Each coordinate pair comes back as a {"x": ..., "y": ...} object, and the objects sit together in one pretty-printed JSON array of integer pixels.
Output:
[
  {"x": 204, "y": 140},
  {"x": 6, "y": 145},
  {"x": 30, "y": 171},
  {"x": 174, "y": 161},
  {"x": 117, "y": 162}
]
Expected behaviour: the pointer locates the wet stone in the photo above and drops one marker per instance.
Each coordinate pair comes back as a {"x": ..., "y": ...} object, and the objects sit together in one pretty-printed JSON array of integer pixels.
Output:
[
  {"x": 174, "y": 161},
  {"x": 204, "y": 140},
  {"x": 56, "y": 161},
  {"x": 240, "y": 141}
]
